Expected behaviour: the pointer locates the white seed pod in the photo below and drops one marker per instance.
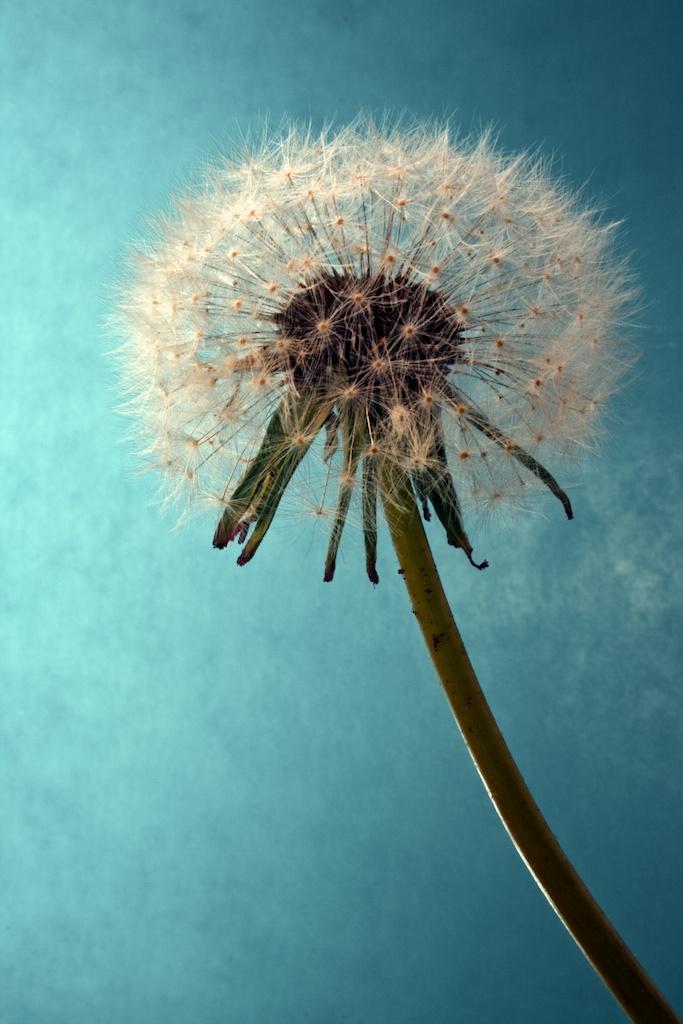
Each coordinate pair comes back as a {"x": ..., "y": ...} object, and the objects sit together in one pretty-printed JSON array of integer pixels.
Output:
[{"x": 413, "y": 300}]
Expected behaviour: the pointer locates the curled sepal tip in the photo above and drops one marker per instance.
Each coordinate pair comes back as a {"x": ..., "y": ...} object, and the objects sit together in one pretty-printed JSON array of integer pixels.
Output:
[
  {"x": 483, "y": 424},
  {"x": 353, "y": 441},
  {"x": 370, "y": 517},
  {"x": 435, "y": 485},
  {"x": 291, "y": 430}
]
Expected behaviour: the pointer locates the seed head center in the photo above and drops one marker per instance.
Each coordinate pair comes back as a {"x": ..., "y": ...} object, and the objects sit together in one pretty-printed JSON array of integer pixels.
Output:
[{"x": 351, "y": 325}]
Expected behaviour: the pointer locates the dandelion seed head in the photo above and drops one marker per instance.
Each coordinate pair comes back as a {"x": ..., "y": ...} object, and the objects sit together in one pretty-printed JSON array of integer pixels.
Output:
[{"x": 413, "y": 299}]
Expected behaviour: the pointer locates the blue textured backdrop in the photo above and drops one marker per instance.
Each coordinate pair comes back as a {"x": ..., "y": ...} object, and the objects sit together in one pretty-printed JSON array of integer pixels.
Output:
[{"x": 237, "y": 796}]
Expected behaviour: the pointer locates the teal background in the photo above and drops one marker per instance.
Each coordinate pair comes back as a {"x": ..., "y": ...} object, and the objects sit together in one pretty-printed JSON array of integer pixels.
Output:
[{"x": 236, "y": 796}]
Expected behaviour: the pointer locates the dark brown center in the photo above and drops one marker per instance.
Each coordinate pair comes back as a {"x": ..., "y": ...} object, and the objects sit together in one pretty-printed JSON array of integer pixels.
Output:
[{"x": 369, "y": 327}]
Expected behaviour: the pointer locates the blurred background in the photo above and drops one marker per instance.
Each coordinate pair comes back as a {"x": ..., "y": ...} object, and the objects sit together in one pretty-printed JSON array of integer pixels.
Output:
[{"x": 237, "y": 796}]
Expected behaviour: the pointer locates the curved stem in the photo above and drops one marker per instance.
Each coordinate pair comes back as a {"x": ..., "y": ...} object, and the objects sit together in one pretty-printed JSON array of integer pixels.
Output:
[{"x": 525, "y": 824}]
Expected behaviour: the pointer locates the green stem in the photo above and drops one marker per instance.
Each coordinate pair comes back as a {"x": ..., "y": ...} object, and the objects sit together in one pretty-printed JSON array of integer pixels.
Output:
[{"x": 525, "y": 824}]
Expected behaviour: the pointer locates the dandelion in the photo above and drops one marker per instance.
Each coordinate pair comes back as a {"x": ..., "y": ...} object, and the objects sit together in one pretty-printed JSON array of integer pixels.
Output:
[
  {"x": 433, "y": 324},
  {"x": 437, "y": 312}
]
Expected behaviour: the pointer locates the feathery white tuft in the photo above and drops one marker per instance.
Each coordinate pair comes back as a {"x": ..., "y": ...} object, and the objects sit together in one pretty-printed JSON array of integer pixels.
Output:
[{"x": 443, "y": 306}]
